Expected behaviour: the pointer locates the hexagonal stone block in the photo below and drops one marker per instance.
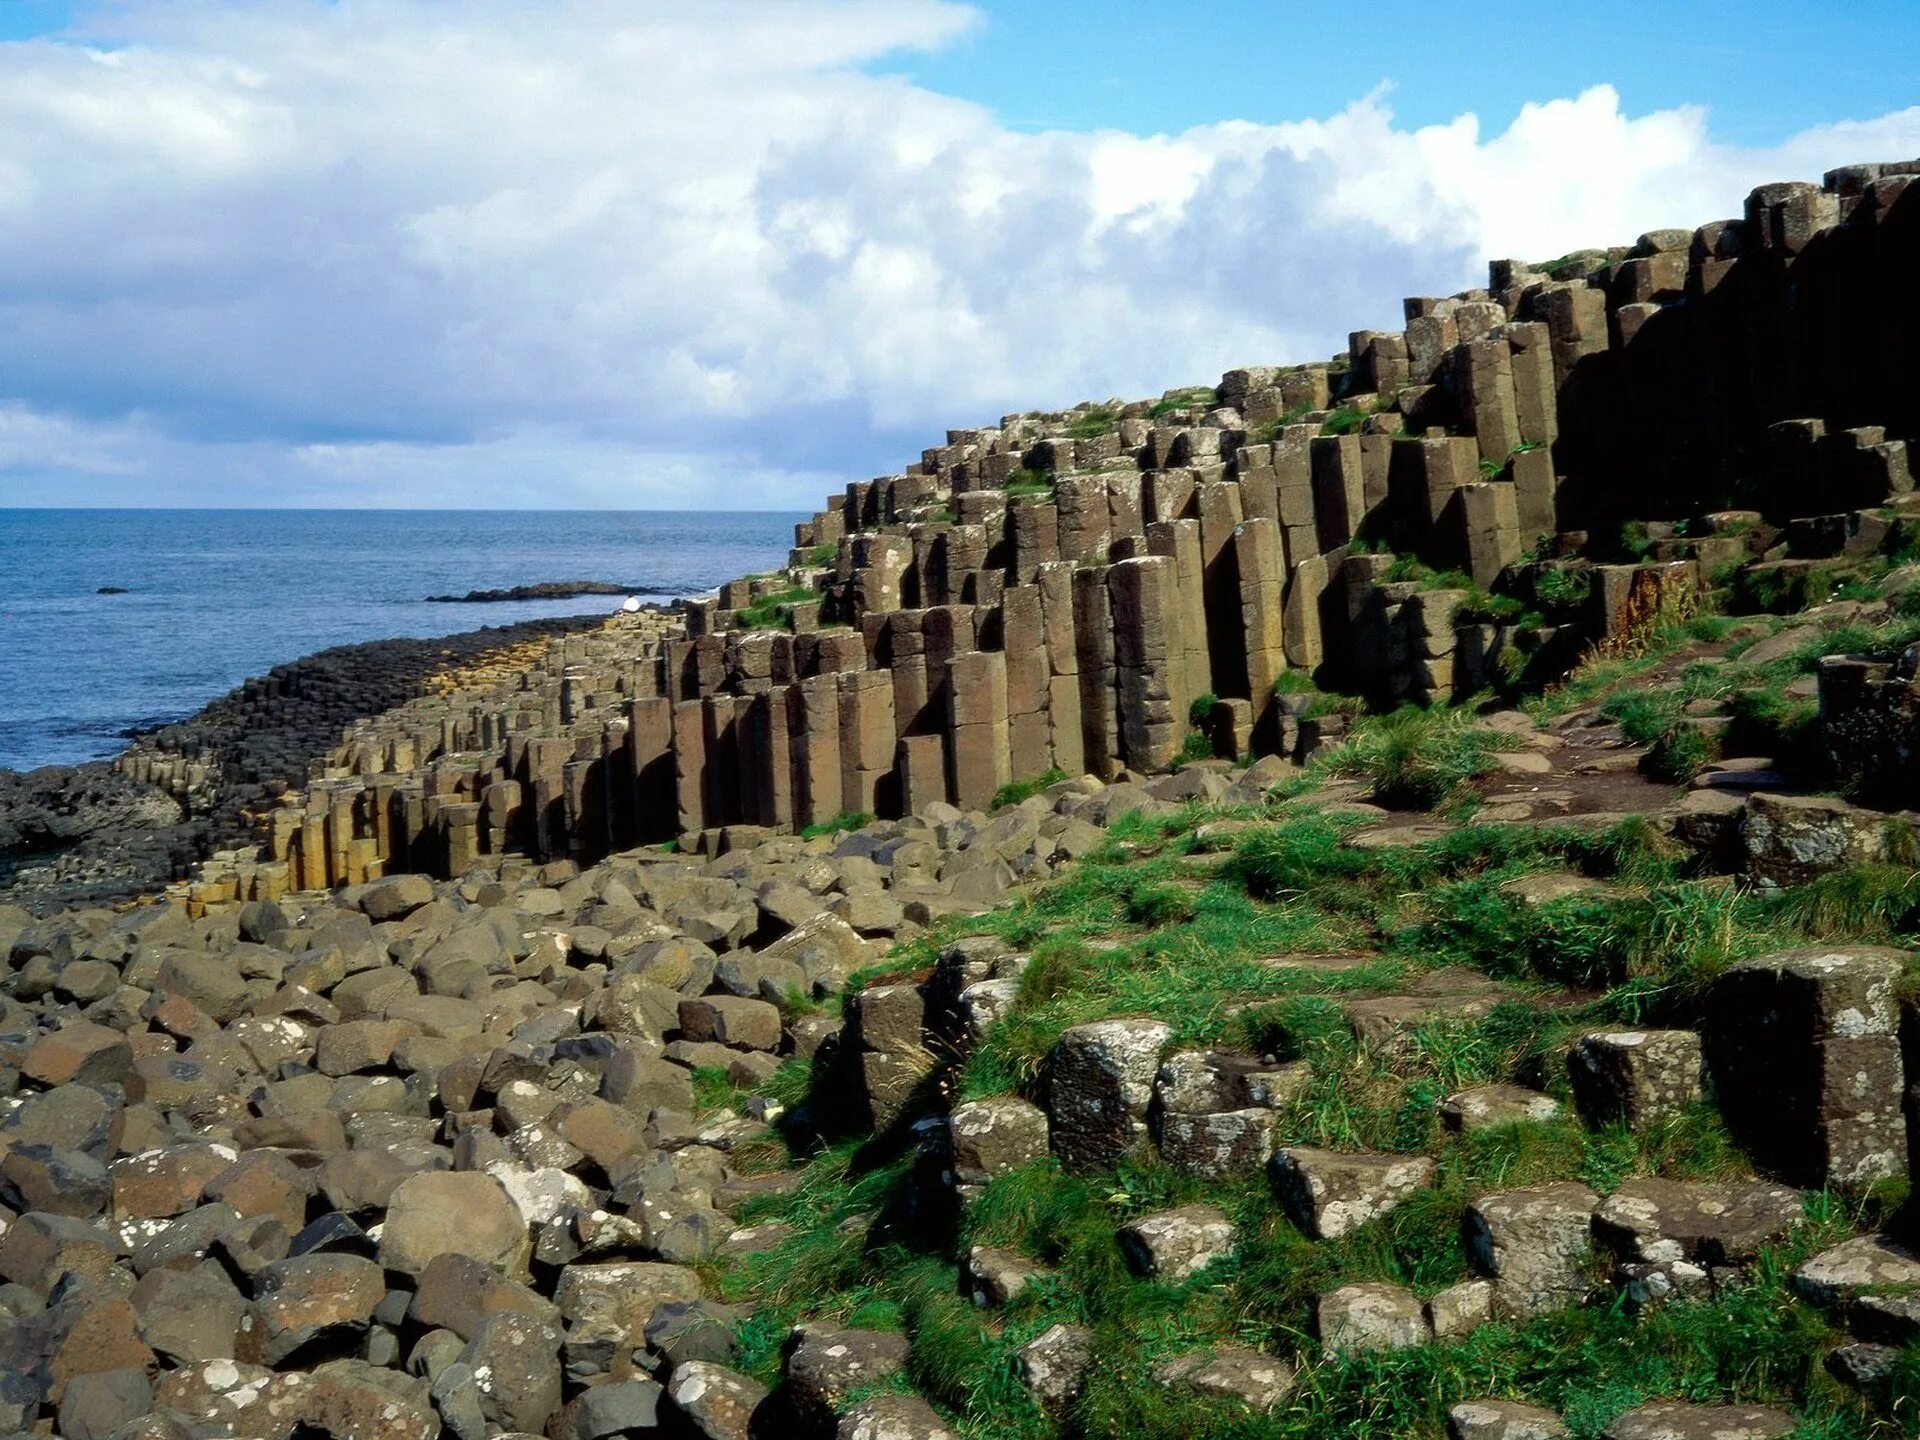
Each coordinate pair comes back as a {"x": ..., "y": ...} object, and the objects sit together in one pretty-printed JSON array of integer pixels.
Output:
[
  {"x": 1866, "y": 1262},
  {"x": 1675, "y": 1420},
  {"x": 1053, "y": 1365},
  {"x": 1230, "y": 1372},
  {"x": 1356, "y": 1319},
  {"x": 1503, "y": 1420},
  {"x": 1712, "y": 1222},
  {"x": 1101, "y": 1082},
  {"x": 993, "y": 1137},
  {"x": 1176, "y": 1244},
  {"x": 1533, "y": 1244},
  {"x": 1641, "y": 1077},
  {"x": 829, "y": 1364},
  {"x": 1484, "y": 1106},
  {"x": 1806, "y": 1063},
  {"x": 1228, "y": 1142},
  {"x": 1459, "y": 1310},
  {"x": 1330, "y": 1193}
]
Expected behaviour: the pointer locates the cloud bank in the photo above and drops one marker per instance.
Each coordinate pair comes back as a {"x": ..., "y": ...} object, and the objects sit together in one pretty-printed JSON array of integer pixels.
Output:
[{"x": 632, "y": 253}]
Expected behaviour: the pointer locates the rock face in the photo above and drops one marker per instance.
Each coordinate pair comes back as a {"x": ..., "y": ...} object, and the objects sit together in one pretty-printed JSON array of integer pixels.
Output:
[
  {"x": 1356, "y": 1319},
  {"x": 1806, "y": 1064}
]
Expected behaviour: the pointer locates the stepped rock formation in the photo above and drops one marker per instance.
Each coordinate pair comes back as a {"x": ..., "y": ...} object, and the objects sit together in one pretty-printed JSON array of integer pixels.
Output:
[{"x": 1055, "y": 592}]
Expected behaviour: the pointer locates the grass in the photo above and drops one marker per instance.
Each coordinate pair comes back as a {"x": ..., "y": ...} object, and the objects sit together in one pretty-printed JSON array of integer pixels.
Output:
[
  {"x": 1416, "y": 758},
  {"x": 838, "y": 825},
  {"x": 1093, "y": 422},
  {"x": 1018, "y": 790},
  {"x": 1194, "y": 397},
  {"x": 772, "y": 612},
  {"x": 1344, "y": 421},
  {"x": 1029, "y": 482},
  {"x": 820, "y": 556}
]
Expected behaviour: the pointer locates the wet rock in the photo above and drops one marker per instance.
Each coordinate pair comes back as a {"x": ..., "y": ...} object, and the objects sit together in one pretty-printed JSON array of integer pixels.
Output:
[{"x": 1330, "y": 1194}]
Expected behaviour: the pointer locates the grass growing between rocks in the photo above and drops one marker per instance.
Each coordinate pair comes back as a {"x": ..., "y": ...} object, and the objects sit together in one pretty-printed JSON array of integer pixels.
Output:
[{"x": 1160, "y": 921}]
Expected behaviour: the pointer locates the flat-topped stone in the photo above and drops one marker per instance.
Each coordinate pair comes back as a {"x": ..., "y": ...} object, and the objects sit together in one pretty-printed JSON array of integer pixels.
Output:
[
  {"x": 1676, "y": 1420},
  {"x": 1330, "y": 1193},
  {"x": 1866, "y": 1262},
  {"x": 1502, "y": 1420},
  {"x": 1231, "y": 1372},
  {"x": 1713, "y": 1222},
  {"x": 1481, "y": 1107}
]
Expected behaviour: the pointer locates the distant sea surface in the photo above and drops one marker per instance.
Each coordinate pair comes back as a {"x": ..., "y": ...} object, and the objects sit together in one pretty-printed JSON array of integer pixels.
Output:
[{"x": 216, "y": 596}]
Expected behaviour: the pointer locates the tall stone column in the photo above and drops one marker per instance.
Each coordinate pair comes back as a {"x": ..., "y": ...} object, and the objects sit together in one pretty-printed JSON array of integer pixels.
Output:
[
  {"x": 1024, "y": 641},
  {"x": 1093, "y": 648},
  {"x": 814, "y": 726},
  {"x": 978, "y": 742},
  {"x": 866, "y": 741},
  {"x": 1146, "y": 608},
  {"x": 1262, "y": 620},
  {"x": 1064, "y": 736}
]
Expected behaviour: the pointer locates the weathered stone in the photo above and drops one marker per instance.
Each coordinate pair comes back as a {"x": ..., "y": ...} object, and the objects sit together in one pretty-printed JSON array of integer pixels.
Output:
[
  {"x": 1806, "y": 1063},
  {"x": 1357, "y": 1319},
  {"x": 1100, "y": 1084},
  {"x": 718, "y": 1403},
  {"x": 314, "y": 1299},
  {"x": 893, "y": 1417},
  {"x": 453, "y": 1212},
  {"x": 1676, "y": 1420},
  {"x": 1230, "y": 1372},
  {"x": 994, "y": 1137},
  {"x": 1714, "y": 1222},
  {"x": 1484, "y": 1106},
  {"x": 1232, "y": 1142},
  {"x": 1459, "y": 1310},
  {"x": 1175, "y": 1245},
  {"x": 1502, "y": 1420},
  {"x": 1054, "y": 1365},
  {"x": 829, "y": 1365},
  {"x": 1641, "y": 1077},
  {"x": 1533, "y": 1243},
  {"x": 1330, "y": 1194},
  {"x": 1864, "y": 1263}
]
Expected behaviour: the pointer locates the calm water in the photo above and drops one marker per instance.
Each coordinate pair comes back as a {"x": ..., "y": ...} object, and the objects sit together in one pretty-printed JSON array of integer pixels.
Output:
[{"x": 219, "y": 595}]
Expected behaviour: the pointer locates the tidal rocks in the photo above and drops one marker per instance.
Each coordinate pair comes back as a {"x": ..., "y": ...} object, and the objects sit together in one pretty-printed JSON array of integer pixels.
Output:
[{"x": 544, "y": 590}]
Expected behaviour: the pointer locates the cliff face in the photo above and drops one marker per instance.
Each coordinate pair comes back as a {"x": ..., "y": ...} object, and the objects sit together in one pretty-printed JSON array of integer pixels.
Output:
[{"x": 1070, "y": 591}]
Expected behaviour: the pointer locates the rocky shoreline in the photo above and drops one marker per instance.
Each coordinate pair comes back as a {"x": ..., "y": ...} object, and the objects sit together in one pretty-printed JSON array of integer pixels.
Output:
[
  {"x": 90, "y": 834},
  {"x": 545, "y": 590}
]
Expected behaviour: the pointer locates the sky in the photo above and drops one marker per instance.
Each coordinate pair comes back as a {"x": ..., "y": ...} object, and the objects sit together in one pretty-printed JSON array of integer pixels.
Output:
[{"x": 729, "y": 254}]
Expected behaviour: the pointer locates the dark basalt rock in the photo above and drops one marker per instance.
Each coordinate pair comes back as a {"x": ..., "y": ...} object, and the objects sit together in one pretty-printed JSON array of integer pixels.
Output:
[{"x": 545, "y": 590}]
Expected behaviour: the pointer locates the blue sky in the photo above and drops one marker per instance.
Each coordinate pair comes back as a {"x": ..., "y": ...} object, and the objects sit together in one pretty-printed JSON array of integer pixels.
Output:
[{"x": 634, "y": 253}]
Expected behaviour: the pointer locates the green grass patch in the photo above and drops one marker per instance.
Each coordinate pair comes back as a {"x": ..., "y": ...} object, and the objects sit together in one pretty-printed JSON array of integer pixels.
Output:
[{"x": 838, "y": 825}]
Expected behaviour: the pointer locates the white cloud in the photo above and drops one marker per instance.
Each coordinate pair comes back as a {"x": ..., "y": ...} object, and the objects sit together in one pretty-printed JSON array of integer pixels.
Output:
[{"x": 632, "y": 252}]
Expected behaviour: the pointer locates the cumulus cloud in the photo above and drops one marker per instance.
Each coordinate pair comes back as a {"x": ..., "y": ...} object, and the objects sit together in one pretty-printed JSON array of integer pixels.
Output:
[{"x": 632, "y": 253}]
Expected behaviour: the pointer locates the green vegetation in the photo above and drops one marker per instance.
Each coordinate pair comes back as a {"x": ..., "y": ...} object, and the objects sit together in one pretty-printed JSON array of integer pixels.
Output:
[
  {"x": 1029, "y": 482},
  {"x": 1194, "y": 397},
  {"x": 1416, "y": 759},
  {"x": 821, "y": 556},
  {"x": 773, "y": 612},
  {"x": 1093, "y": 422},
  {"x": 839, "y": 824},
  {"x": 1345, "y": 421},
  {"x": 1020, "y": 790}
]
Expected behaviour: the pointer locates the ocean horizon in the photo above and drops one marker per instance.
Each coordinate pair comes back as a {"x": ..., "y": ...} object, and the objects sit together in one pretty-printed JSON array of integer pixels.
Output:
[{"x": 213, "y": 596}]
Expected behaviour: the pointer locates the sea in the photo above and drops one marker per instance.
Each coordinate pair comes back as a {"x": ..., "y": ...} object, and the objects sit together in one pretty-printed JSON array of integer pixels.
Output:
[{"x": 215, "y": 596}]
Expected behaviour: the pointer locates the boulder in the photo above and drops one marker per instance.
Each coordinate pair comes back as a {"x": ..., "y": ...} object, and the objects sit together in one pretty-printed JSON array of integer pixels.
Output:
[
  {"x": 994, "y": 1137},
  {"x": 453, "y": 1212},
  {"x": 894, "y": 1417},
  {"x": 717, "y": 1403},
  {"x": 1856, "y": 1266},
  {"x": 829, "y": 1365},
  {"x": 1484, "y": 1106},
  {"x": 1230, "y": 1372}
]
